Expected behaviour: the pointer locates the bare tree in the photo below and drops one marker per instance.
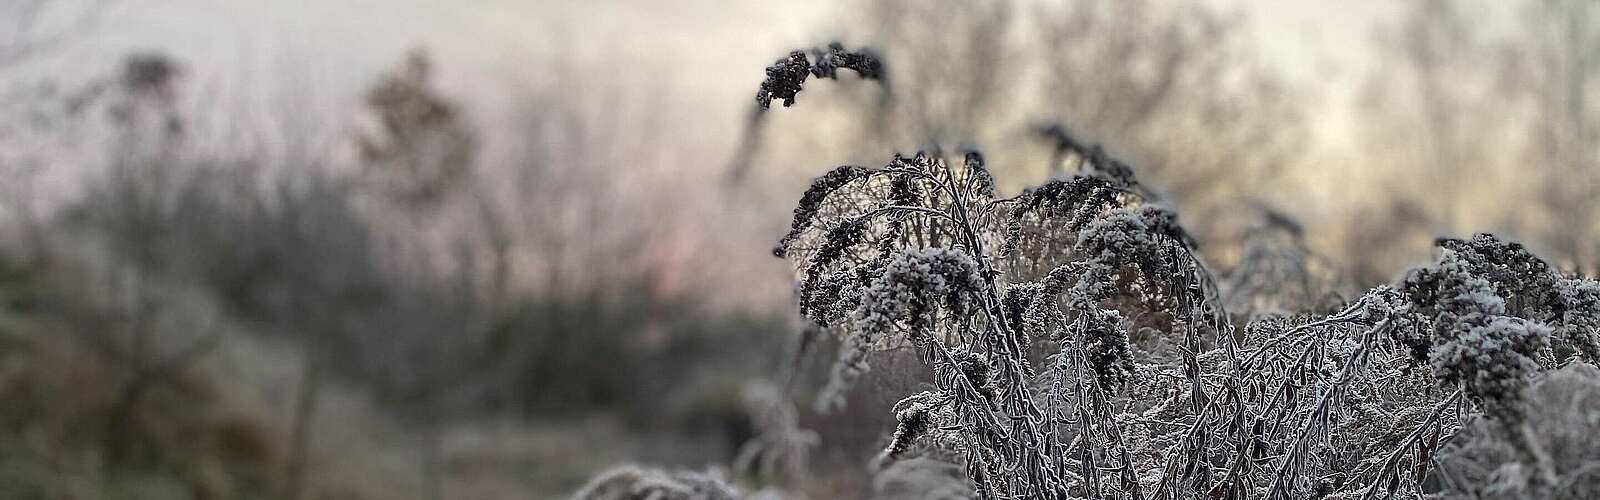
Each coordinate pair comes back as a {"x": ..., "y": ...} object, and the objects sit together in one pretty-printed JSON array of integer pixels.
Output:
[
  {"x": 1452, "y": 104},
  {"x": 1431, "y": 76},
  {"x": 1425, "y": 113},
  {"x": 1174, "y": 88},
  {"x": 962, "y": 57}
]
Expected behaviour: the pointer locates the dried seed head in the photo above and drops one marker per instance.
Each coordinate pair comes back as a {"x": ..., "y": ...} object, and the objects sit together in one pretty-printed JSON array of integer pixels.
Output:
[
  {"x": 1103, "y": 165},
  {"x": 1024, "y": 311},
  {"x": 826, "y": 300},
  {"x": 1493, "y": 362},
  {"x": 1083, "y": 198},
  {"x": 908, "y": 291},
  {"x": 787, "y": 76},
  {"x": 1515, "y": 272},
  {"x": 915, "y": 416},
  {"x": 784, "y": 79},
  {"x": 975, "y": 367},
  {"x": 1106, "y": 348},
  {"x": 982, "y": 180},
  {"x": 903, "y": 191},
  {"x": 1142, "y": 237},
  {"x": 913, "y": 283},
  {"x": 1579, "y": 314},
  {"x": 864, "y": 62},
  {"x": 811, "y": 201}
]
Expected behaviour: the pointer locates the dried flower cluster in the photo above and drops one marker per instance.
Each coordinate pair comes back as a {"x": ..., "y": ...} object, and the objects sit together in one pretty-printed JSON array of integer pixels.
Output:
[{"x": 786, "y": 76}]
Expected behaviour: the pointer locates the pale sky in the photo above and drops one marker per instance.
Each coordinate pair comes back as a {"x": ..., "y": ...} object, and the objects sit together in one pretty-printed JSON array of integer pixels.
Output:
[
  {"x": 1329, "y": 44},
  {"x": 693, "y": 43},
  {"x": 254, "y": 56}
]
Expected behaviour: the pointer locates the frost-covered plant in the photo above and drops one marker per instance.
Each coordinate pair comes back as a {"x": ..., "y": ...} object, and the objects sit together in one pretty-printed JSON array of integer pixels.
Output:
[
  {"x": 896, "y": 256},
  {"x": 780, "y": 447},
  {"x": 1277, "y": 272},
  {"x": 637, "y": 483},
  {"x": 1486, "y": 462},
  {"x": 1021, "y": 308},
  {"x": 786, "y": 76},
  {"x": 1578, "y": 307}
]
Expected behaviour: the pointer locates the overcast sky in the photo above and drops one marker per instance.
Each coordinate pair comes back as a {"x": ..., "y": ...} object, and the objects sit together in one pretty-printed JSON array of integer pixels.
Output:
[{"x": 253, "y": 56}]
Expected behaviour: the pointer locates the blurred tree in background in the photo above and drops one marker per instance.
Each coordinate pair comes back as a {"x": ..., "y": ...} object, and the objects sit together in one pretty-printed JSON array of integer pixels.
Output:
[
  {"x": 1457, "y": 115},
  {"x": 1555, "y": 71}
]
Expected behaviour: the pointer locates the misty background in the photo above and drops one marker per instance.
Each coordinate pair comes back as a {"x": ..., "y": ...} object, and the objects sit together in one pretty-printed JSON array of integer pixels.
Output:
[{"x": 409, "y": 249}]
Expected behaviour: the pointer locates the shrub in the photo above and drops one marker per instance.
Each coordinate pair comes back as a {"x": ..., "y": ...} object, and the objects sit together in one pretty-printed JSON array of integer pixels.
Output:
[
  {"x": 922, "y": 253},
  {"x": 1486, "y": 461},
  {"x": 631, "y": 482}
]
